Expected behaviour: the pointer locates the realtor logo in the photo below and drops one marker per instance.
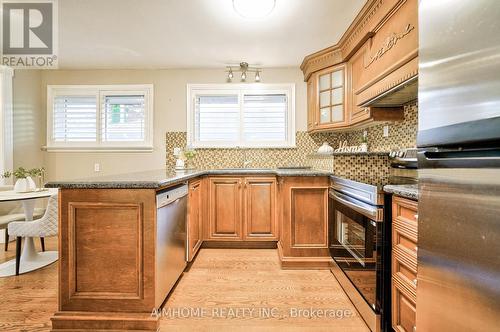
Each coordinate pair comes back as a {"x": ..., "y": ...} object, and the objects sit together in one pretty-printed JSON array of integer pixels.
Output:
[{"x": 29, "y": 34}]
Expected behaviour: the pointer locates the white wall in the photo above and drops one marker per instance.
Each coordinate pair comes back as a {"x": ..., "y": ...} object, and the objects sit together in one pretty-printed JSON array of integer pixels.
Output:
[
  {"x": 29, "y": 119},
  {"x": 169, "y": 115}
]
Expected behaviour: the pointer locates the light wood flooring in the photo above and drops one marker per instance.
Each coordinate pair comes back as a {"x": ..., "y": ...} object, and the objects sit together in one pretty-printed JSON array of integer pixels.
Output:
[{"x": 225, "y": 290}]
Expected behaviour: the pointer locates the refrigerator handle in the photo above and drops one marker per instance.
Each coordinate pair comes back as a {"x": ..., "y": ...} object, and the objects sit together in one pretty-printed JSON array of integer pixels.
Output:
[{"x": 487, "y": 158}]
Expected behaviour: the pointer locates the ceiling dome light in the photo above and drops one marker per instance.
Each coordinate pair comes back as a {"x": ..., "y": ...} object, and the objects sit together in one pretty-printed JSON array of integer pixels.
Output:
[{"x": 254, "y": 8}]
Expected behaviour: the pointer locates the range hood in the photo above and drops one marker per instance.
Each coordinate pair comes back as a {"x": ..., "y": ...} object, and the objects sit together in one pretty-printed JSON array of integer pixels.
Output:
[{"x": 396, "y": 96}]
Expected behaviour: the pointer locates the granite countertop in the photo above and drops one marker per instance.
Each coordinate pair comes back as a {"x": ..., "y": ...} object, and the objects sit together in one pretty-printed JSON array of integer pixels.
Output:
[
  {"x": 404, "y": 190},
  {"x": 161, "y": 178}
]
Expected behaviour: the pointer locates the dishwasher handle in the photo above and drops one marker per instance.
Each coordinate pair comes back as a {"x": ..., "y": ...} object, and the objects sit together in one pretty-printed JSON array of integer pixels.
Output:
[{"x": 170, "y": 196}]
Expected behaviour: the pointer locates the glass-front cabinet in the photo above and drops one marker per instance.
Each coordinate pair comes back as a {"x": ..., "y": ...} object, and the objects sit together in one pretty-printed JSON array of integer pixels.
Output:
[{"x": 327, "y": 98}]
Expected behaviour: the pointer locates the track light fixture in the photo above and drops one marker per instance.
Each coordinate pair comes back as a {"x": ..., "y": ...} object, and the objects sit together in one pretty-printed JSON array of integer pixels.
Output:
[{"x": 244, "y": 68}]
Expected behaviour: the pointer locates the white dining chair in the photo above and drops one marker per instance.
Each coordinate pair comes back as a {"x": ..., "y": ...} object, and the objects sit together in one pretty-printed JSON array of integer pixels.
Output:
[
  {"x": 12, "y": 211},
  {"x": 43, "y": 227}
]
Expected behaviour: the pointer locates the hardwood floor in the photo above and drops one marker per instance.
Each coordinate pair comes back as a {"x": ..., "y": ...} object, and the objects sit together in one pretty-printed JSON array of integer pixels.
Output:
[
  {"x": 224, "y": 279},
  {"x": 247, "y": 281},
  {"x": 28, "y": 300}
]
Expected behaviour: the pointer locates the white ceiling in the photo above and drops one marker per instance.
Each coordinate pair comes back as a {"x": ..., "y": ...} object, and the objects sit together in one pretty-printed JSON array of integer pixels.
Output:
[{"x": 195, "y": 33}]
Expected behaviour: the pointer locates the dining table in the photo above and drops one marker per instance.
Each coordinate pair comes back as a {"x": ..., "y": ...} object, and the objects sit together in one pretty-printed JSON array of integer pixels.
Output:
[{"x": 30, "y": 259}]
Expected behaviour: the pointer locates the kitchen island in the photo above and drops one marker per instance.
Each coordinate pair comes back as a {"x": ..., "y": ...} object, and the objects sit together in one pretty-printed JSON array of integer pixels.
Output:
[{"x": 108, "y": 228}]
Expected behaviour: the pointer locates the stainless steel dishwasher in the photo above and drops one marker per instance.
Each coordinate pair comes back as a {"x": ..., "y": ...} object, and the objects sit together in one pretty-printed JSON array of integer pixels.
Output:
[{"x": 171, "y": 218}]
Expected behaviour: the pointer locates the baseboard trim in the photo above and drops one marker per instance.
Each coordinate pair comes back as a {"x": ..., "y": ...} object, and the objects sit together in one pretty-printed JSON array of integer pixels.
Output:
[
  {"x": 305, "y": 263},
  {"x": 104, "y": 321},
  {"x": 239, "y": 244}
]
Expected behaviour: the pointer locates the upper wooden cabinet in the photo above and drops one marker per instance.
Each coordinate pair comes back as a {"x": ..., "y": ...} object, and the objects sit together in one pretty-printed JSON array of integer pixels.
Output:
[
  {"x": 377, "y": 59},
  {"x": 328, "y": 98}
]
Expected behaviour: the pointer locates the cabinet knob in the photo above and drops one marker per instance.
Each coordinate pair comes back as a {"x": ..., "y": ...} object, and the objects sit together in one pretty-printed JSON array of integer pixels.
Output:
[
  {"x": 316, "y": 123},
  {"x": 415, "y": 281},
  {"x": 416, "y": 217},
  {"x": 414, "y": 328},
  {"x": 416, "y": 249}
]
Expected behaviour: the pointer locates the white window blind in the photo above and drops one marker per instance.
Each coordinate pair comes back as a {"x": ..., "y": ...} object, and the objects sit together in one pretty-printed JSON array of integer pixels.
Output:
[
  {"x": 75, "y": 119},
  {"x": 229, "y": 116},
  {"x": 100, "y": 117},
  {"x": 217, "y": 118},
  {"x": 264, "y": 118},
  {"x": 123, "y": 118}
]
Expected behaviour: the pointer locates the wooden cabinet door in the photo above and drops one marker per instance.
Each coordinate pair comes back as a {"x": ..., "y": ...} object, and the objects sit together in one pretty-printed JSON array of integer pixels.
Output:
[
  {"x": 195, "y": 204},
  {"x": 331, "y": 97},
  {"x": 356, "y": 69},
  {"x": 260, "y": 209},
  {"x": 225, "y": 208},
  {"x": 312, "y": 106}
]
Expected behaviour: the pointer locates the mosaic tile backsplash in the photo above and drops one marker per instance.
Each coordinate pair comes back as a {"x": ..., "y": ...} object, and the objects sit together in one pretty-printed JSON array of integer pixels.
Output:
[{"x": 401, "y": 135}]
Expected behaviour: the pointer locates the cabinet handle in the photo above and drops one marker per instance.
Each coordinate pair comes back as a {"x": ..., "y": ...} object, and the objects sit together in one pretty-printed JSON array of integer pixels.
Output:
[
  {"x": 416, "y": 249},
  {"x": 416, "y": 217},
  {"x": 414, "y": 328},
  {"x": 239, "y": 184},
  {"x": 415, "y": 281},
  {"x": 245, "y": 183}
]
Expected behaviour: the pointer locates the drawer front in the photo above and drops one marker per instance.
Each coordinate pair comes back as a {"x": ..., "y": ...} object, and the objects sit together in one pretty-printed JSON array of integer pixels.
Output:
[
  {"x": 404, "y": 238},
  {"x": 405, "y": 209},
  {"x": 403, "y": 311},
  {"x": 404, "y": 266}
]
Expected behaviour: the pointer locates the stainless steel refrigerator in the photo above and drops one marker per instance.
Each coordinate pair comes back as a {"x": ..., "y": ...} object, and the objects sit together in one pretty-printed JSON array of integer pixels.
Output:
[{"x": 459, "y": 166}]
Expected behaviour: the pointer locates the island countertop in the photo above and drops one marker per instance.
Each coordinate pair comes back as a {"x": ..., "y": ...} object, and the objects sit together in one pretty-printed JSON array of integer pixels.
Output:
[
  {"x": 404, "y": 190},
  {"x": 155, "y": 179}
]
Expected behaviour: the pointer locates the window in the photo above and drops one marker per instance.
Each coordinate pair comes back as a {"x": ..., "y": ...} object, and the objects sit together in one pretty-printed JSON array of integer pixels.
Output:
[
  {"x": 247, "y": 115},
  {"x": 100, "y": 117}
]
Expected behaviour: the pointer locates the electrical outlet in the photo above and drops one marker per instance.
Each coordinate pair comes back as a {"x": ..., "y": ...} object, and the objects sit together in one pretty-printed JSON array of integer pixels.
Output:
[
  {"x": 386, "y": 131},
  {"x": 97, "y": 167}
]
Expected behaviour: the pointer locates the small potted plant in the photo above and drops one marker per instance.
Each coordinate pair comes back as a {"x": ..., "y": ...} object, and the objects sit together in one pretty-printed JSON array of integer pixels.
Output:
[
  {"x": 24, "y": 183},
  {"x": 189, "y": 154},
  {"x": 364, "y": 143}
]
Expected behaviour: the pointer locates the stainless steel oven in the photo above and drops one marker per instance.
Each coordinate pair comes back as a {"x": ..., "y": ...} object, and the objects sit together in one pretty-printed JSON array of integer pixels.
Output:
[{"x": 360, "y": 247}]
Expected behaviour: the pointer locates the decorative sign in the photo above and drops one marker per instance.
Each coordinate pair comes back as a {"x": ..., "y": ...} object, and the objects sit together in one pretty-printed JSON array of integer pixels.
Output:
[
  {"x": 343, "y": 147},
  {"x": 389, "y": 43}
]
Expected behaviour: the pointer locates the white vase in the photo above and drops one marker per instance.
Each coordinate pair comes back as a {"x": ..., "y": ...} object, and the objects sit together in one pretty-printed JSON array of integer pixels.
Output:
[{"x": 24, "y": 185}]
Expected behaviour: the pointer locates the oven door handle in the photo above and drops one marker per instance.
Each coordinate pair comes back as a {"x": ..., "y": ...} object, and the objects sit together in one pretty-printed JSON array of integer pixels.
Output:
[{"x": 375, "y": 214}]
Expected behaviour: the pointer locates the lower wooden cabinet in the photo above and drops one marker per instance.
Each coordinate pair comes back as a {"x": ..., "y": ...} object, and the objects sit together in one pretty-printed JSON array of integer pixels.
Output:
[
  {"x": 225, "y": 208},
  {"x": 260, "y": 209},
  {"x": 304, "y": 222},
  {"x": 242, "y": 209},
  {"x": 404, "y": 264},
  {"x": 195, "y": 212}
]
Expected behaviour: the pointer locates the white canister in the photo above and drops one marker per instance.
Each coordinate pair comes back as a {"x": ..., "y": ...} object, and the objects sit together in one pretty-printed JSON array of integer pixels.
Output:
[{"x": 325, "y": 149}]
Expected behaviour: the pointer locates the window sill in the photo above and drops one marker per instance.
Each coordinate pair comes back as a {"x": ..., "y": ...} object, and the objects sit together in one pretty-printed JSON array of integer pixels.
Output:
[{"x": 139, "y": 149}]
